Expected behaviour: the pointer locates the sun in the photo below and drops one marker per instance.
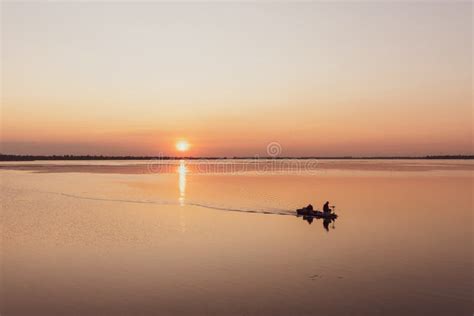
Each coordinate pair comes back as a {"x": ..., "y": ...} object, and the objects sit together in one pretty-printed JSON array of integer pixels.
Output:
[{"x": 182, "y": 145}]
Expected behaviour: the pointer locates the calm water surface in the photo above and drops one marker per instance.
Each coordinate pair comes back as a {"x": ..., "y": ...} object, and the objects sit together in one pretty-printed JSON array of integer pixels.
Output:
[{"x": 221, "y": 238}]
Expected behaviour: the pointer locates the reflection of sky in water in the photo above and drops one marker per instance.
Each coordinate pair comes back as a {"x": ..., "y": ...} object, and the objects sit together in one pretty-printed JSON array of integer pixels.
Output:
[{"x": 392, "y": 234}]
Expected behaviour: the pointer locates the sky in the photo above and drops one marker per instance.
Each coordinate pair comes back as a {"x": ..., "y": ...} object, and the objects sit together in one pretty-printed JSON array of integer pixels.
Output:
[{"x": 318, "y": 78}]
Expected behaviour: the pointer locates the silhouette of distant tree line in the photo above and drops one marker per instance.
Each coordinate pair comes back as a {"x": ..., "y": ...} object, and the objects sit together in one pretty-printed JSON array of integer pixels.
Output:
[{"x": 8, "y": 157}]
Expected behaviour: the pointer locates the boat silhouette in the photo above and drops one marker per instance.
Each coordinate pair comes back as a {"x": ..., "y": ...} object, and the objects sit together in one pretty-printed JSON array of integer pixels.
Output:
[{"x": 309, "y": 212}]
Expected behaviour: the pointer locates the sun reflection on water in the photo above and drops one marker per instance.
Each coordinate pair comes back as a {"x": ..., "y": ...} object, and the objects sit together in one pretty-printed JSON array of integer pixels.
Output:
[{"x": 182, "y": 170}]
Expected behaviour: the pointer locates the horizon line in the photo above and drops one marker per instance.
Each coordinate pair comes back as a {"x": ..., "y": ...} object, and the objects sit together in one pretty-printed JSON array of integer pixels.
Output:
[{"x": 28, "y": 157}]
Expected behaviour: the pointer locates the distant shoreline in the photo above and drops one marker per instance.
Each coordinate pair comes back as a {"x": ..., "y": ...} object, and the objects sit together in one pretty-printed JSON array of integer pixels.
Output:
[{"x": 7, "y": 157}]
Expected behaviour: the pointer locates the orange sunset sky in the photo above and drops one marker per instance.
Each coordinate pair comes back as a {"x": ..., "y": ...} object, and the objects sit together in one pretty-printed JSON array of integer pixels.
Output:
[{"x": 341, "y": 78}]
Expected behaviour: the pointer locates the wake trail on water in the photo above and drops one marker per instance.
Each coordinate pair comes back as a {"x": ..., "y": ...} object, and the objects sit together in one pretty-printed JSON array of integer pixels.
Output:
[
  {"x": 172, "y": 203},
  {"x": 259, "y": 211}
]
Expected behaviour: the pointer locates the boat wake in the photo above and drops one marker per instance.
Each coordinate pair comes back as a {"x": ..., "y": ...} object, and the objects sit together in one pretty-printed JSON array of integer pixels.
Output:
[
  {"x": 259, "y": 211},
  {"x": 175, "y": 203}
]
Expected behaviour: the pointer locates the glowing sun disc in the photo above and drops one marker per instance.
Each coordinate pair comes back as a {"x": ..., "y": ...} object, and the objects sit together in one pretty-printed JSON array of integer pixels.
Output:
[{"x": 182, "y": 145}]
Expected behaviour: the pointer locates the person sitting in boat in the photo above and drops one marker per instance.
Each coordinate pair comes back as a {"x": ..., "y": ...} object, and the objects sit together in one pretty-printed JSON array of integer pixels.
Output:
[{"x": 326, "y": 208}]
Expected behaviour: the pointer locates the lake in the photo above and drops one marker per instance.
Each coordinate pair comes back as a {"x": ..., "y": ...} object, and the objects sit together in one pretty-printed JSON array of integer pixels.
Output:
[{"x": 220, "y": 237}]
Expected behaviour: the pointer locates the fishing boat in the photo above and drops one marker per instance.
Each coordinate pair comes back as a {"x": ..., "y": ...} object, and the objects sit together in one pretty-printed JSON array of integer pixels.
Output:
[{"x": 308, "y": 211}]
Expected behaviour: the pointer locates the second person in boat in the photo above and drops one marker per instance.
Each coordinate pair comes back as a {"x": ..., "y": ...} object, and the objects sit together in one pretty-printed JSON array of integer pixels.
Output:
[{"x": 326, "y": 208}]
